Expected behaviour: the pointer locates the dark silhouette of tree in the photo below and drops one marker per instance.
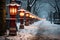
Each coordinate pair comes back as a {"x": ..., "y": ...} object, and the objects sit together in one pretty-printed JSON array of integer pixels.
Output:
[
  {"x": 56, "y": 14},
  {"x": 30, "y": 4}
]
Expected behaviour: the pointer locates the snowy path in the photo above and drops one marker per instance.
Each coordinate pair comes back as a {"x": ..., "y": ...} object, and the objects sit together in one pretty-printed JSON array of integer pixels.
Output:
[{"x": 42, "y": 27}]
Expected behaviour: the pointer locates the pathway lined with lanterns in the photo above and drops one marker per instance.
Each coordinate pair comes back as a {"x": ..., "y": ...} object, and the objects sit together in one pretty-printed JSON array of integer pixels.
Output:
[
  {"x": 33, "y": 31},
  {"x": 40, "y": 30},
  {"x": 31, "y": 28},
  {"x": 36, "y": 31}
]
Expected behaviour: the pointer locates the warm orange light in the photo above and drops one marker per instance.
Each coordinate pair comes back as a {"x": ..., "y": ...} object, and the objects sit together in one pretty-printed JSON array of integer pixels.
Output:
[
  {"x": 21, "y": 14},
  {"x": 27, "y": 14},
  {"x": 13, "y": 10},
  {"x": 31, "y": 16},
  {"x": 34, "y": 16}
]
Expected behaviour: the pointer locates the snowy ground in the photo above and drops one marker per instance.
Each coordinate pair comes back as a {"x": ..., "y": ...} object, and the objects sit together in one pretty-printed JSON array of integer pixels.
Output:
[
  {"x": 40, "y": 30},
  {"x": 42, "y": 27}
]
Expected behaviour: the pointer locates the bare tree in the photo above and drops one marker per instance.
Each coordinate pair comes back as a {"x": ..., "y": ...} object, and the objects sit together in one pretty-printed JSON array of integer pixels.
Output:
[
  {"x": 56, "y": 15},
  {"x": 30, "y": 3}
]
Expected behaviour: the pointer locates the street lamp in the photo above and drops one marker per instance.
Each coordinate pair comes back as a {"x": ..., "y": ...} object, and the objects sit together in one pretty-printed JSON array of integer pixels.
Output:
[
  {"x": 22, "y": 14},
  {"x": 32, "y": 18},
  {"x": 13, "y": 9},
  {"x": 27, "y": 18}
]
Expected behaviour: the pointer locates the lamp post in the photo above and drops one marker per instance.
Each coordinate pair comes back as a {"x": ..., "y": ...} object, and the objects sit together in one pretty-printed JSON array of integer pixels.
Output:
[
  {"x": 32, "y": 18},
  {"x": 27, "y": 18},
  {"x": 22, "y": 14},
  {"x": 13, "y": 9}
]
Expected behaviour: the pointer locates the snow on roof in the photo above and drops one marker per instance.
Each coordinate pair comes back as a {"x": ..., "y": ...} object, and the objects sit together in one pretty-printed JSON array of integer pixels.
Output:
[
  {"x": 22, "y": 9},
  {"x": 13, "y": 4}
]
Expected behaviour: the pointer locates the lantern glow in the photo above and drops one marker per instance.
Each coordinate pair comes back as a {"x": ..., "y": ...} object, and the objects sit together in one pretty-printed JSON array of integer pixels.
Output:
[
  {"x": 21, "y": 13},
  {"x": 27, "y": 18},
  {"x": 13, "y": 10},
  {"x": 30, "y": 15},
  {"x": 33, "y": 17},
  {"x": 27, "y": 14}
]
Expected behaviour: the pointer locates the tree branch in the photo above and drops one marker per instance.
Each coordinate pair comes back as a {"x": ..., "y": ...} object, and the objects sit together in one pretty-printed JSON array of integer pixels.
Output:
[
  {"x": 57, "y": 8},
  {"x": 32, "y": 3},
  {"x": 52, "y": 5}
]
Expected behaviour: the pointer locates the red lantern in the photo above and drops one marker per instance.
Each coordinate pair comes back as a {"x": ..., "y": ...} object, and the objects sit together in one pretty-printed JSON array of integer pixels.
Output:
[
  {"x": 27, "y": 18},
  {"x": 21, "y": 14},
  {"x": 27, "y": 14},
  {"x": 31, "y": 18},
  {"x": 13, "y": 9}
]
